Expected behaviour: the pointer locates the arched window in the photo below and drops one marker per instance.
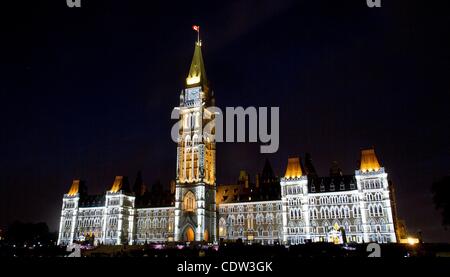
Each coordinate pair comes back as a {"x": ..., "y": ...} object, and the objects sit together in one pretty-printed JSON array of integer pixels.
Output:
[
  {"x": 250, "y": 222},
  {"x": 322, "y": 212},
  {"x": 355, "y": 211},
  {"x": 380, "y": 210},
  {"x": 260, "y": 231},
  {"x": 155, "y": 223},
  {"x": 370, "y": 210},
  {"x": 346, "y": 212},
  {"x": 325, "y": 226},
  {"x": 222, "y": 227},
  {"x": 346, "y": 225},
  {"x": 240, "y": 219},
  {"x": 260, "y": 219},
  {"x": 231, "y": 220},
  {"x": 189, "y": 202},
  {"x": 269, "y": 219},
  {"x": 279, "y": 218}
]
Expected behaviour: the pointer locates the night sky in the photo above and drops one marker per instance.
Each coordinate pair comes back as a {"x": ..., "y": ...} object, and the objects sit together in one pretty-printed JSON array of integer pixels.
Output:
[{"x": 87, "y": 93}]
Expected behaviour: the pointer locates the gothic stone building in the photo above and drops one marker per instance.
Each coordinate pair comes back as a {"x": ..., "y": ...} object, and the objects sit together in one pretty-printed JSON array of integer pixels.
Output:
[{"x": 297, "y": 208}]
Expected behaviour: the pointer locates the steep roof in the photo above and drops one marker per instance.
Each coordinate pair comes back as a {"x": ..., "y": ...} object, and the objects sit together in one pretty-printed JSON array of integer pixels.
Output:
[
  {"x": 78, "y": 187},
  {"x": 74, "y": 188},
  {"x": 120, "y": 183},
  {"x": 197, "y": 72},
  {"x": 267, "y": 172},
  {"x": 369, "y": 160},
  {"x": 293, "y": 170}
]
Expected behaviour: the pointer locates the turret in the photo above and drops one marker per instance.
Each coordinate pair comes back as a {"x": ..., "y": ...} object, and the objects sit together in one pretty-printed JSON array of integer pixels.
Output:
[
  {"x": 120, "y": 203},
  {"x": 69, "y": 212},
  {"x": 294, "y": 196},
  {"x": 374, "y": 194}
]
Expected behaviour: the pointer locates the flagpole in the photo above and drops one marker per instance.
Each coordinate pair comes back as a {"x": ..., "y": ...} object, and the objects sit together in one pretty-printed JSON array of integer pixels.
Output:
[{"x": 198, "y": 35}]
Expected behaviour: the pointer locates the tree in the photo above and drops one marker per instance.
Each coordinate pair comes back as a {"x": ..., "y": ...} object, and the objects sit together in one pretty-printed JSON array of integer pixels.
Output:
[
  {"x": 441, "y": 198},
  {"x": 29, "y": 233}
]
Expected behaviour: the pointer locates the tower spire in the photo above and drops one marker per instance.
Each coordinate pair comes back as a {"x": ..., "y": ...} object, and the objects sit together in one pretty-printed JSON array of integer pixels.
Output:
[{"x": 197, "y": 72}]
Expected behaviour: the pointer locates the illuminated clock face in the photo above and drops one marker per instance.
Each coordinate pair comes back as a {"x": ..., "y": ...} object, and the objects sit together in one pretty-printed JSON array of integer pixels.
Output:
[{"x": 192, "y": 93}]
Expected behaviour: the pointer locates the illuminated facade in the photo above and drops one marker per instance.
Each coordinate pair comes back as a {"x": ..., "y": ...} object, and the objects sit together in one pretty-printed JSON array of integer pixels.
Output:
[
  {"x": 338, "y": 208},
  {"x": 297, "y": 208},
  {"x": 108, "y": 219}
]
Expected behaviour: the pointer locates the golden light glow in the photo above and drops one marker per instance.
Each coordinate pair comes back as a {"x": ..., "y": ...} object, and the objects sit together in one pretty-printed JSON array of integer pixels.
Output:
[
  {"x": 117, "y": 185},
  {"x": 188, "y": 163},
  {"x": 336, "y": 227},
  {"x": 190, "y": 235},
  {"x": 293, "y": 169},
  {"x": 206, "y": 235},
  {"x": 193, "y": 80},
  {"x": 227, "y": 193},
  {"x": 336, "y": 240},
  {"x": 74, "y": 188},
  {"x": 197, "y": 73},
  {"x": 410, "y": 241},
  {"x": 413, "y": 241},
  {"x": 369, "y": 161}
]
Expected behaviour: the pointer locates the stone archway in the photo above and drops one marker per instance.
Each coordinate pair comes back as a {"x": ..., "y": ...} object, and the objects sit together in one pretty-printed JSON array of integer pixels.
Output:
[{"x": 188, "y": 234}]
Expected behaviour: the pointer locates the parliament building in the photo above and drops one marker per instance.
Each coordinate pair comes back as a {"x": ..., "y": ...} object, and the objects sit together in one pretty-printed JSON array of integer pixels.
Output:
[{"x": 297, "y": 208}]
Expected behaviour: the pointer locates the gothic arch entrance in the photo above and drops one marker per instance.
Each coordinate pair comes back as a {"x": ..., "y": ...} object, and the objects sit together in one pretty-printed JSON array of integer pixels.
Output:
[{"x": 188, "y": 234}]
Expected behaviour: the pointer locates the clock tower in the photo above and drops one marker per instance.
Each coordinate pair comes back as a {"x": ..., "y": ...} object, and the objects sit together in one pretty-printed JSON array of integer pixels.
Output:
[{"x": 195, "y": 204}]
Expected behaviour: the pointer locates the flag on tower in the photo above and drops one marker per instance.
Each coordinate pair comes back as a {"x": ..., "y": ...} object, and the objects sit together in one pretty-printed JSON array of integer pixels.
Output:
[{"x": 196, "y": 28}]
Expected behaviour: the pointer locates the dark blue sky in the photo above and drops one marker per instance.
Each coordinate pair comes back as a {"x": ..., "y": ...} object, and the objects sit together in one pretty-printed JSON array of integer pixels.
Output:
[{"x": 87, "y": 93}]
